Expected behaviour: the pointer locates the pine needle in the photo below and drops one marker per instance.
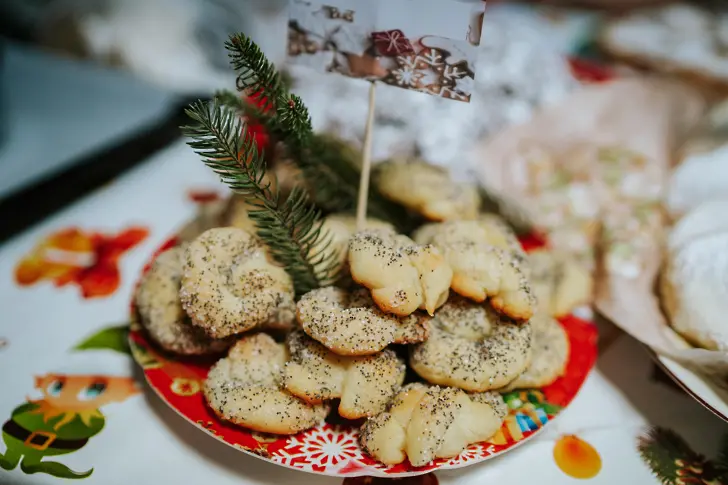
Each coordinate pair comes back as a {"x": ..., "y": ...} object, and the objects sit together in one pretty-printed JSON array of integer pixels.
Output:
[
  {"x": 289, "y": 227},
  {"x": 668, "y": 455},
  {"x": 257, "y": 76}
]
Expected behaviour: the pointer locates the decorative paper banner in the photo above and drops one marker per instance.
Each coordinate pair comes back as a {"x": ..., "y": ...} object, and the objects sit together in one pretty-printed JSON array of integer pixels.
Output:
[{"x": 423, "y": 45}]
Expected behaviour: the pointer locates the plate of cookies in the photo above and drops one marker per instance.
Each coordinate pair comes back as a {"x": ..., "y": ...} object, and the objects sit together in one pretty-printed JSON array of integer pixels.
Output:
[{"x": 431, "y": 352}]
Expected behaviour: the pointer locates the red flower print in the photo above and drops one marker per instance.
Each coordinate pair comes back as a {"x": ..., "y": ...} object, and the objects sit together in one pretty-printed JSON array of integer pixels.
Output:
[
  {"x": 88, "y": 260},
  {"x": 202, "y": 196}
]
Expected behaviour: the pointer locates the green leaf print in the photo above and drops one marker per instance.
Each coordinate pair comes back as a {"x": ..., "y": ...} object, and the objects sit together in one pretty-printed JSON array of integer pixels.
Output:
[{"x": 112, "y": 338}]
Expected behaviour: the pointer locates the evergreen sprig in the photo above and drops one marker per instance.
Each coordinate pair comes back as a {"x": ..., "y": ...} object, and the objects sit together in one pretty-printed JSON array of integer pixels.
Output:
[
  {"x": 673, "y": 461},
  {"x": 257, "y": 76},
  {"x": 291, "y": 227}
]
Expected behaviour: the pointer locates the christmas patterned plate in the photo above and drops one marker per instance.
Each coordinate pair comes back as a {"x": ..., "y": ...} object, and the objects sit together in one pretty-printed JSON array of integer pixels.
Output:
[{"x": 333, "y": 448}]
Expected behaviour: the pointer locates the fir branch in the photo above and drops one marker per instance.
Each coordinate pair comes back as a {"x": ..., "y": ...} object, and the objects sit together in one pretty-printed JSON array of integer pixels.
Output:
[
  {"x": 231, "y": 100},
  {"x": 257, "y": 76},
  {"x": 669, "y": 456},
  {"x": 291, "y": 227}
]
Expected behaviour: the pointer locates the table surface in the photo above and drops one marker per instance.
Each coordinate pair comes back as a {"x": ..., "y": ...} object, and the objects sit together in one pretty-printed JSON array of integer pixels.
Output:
[
  {"x": 145, "y": 442},
  {"x": 52, "y": 310},
  {"x": 56, "y": 110}
]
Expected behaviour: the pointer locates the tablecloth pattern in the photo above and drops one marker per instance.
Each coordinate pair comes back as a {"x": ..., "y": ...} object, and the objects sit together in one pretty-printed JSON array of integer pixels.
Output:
[{"x": 65, "y": 324}]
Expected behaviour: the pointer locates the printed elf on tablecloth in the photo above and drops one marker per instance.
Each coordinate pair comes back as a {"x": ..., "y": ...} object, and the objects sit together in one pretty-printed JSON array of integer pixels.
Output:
[{"x": 67, "y": 415}]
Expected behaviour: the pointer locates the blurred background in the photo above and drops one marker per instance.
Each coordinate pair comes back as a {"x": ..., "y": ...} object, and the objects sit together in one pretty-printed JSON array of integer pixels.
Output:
[{"x": 91, "y": 87}]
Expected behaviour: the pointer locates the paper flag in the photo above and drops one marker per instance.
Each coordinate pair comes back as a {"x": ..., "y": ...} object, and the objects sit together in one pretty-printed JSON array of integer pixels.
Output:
[{"x": 423, "y": 45}]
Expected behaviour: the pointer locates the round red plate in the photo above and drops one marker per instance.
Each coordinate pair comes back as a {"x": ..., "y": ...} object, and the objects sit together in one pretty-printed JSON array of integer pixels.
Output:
[{"x": 333, "y": 448}]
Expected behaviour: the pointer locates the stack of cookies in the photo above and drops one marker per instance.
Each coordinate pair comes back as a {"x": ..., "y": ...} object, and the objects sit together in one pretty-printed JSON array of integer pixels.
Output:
[{"x": 453, "y": 303}]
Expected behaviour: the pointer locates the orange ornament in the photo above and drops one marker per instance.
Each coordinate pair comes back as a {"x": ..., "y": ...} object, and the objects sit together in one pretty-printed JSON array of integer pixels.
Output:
[{"x": 576, "y": 457}]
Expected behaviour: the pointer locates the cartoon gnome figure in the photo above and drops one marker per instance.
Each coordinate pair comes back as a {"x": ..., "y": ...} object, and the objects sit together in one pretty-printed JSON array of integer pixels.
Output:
[{"x": 67, "y": 414}]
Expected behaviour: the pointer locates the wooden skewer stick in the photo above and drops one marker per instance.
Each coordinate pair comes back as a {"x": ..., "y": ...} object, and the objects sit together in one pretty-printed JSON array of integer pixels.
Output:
[{"x": 366, "y": 165}]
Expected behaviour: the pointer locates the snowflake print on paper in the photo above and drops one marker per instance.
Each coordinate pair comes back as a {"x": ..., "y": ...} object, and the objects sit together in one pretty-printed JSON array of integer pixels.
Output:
[
  {"x": 408, "y": 76},
  {"x": 447, "y": 92},
  {"x": 325, "y": 448},
  {"x": 429, "y": 72},
  {"x": 371, "y": 40},
  {"x": 430, "y": 58},
  {"x": 452, "y": 74}
]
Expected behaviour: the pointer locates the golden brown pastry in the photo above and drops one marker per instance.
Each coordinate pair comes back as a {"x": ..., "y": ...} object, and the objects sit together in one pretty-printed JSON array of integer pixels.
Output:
[
  {"x": 229, "y": 285},
  {"x": 402, "y": 276},
  {"x": 549, "y": 355},
  {"x": 427, "y": 190},
  {"x": 244, "y": 388},
  {"x": 157, "y": 301},
  {"x": 348, "y": 323},
  {"x": 424, "y": 423},
  {"x": 472, "y": 347},
  {"x": 559, "y": 282},
  {"x": 364, "y": 384},
  {"x": 336, "y": 231},
  {"x": 487, "y": 262}
]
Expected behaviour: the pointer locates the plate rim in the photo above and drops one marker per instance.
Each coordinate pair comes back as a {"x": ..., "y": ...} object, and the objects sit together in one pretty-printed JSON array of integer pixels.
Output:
[
  {"x": 370, "y": 472},
  {"x": 135, "y": 328},
  {"x": 363, "y": 473},
  {"x": 665, "y": 363}
]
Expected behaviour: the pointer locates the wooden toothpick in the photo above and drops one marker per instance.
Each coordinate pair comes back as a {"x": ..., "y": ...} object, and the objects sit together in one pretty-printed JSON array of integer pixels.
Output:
[{"x": 366, "y": 165}]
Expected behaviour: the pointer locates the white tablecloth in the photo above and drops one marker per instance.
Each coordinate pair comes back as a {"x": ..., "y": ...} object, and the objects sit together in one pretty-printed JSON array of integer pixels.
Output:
[{"x": 145, "y": 442}]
